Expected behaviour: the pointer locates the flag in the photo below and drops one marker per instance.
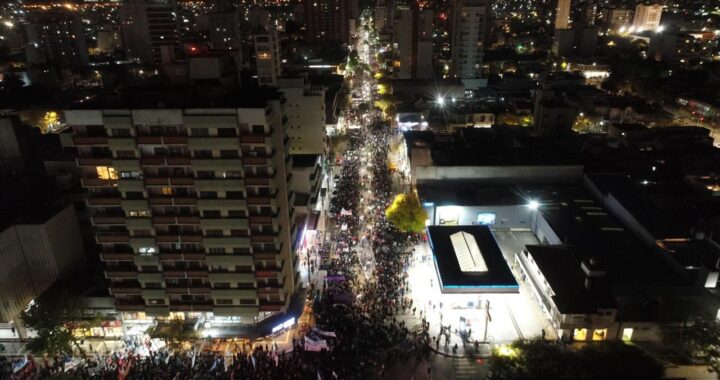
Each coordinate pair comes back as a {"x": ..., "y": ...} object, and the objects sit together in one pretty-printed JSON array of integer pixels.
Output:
[
  {"x": 253, "y": 360},
  {"x": 344, "y": 212},
  {"x": 324, "y": 333}
]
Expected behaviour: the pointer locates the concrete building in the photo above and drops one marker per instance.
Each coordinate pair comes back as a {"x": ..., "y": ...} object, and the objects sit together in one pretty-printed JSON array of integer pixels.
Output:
[
  {"x": 108, "y": 39},
  {"x": 306, "y": 115},
  {"x": 617, "y": 18},
  {"x": 327, "y": 21},
  {"x": 672, "y": 46},
  {"x": 589, "y": 13},
  {"x": 225, "y": 30},
  {"x": 192, "y": 206},
  {"x": 470, "y": 21},
  {"x": 562, "y": 14},
  {"x": 56, "y": 38},
  {"x": 384, "y": 14},
  {"x": 267, "y": 57},
  {"x": 647, "y": 17},
  {"x": 413, "y": 36},
  {"x": 37, "y": 250},
  {"x": 149, "y": 26}
]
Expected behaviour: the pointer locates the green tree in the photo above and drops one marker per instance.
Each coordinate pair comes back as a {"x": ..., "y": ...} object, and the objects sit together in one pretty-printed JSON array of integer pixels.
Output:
[
  {"x": 54, "y": 316},
  {"x": 406, "y": 213},
  {"x": 628, "y": 362}
]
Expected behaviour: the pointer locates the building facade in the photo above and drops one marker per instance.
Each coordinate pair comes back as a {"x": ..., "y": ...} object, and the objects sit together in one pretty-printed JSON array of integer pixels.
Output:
[
  {"x": 35, "y": 254},
  {"x": 470, "y": 22},
  {"x": 306, "y": 115},
  {"x": 647, "y": 17},
  {"x": 147, "y": 26},
  {"x": 562, "y": 14},
  {"x": 267, "y": 57},
  {"x": 413, "y": 36},
  {"x": 327, "y": 20},
  {"x": 192, "y": 208}
]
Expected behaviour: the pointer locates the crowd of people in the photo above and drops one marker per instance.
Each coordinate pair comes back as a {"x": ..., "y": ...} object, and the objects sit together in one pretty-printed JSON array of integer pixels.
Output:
[{"x": 360, "y": 310}]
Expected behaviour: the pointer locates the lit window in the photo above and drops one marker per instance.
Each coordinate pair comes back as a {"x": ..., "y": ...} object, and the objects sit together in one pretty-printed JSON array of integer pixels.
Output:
[
  {"x": 105, "y": 172},
  {"x": 599, "y": 334},
  {"x": 132, "y": 174},
  {"x": 137, "y": 213},
  {"x": 627, "y": 334},
  {"x": 167, "y": 191},
  {"x": 147, "y": 250},
  {"x": 580, "y": 334}
]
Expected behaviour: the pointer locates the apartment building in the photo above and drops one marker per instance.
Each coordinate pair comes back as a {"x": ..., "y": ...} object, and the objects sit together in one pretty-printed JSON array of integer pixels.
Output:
[
  {"x": 470, "y": 23},
  {"x": 267, "y": 56},
  {"x": 192, "y": 207}
]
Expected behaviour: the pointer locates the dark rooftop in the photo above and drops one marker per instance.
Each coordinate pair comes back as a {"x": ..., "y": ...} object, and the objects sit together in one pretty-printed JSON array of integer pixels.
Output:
[
  {"x": 304, "y": 160},
  {"x": 497, "y": 279}
]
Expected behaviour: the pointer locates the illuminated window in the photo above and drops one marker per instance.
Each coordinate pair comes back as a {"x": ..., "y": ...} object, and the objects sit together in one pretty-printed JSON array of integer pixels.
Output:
[
  {"x": 106, "y": 172},
  {"x": 599, "y": 334},
  {"x": 167, "y": 191},
  {"x": 627, "y": 334},
  {"x": 580, "y": 334},
  {"x": 137, "y": 213},
  {"x": 147, "y": 250}
]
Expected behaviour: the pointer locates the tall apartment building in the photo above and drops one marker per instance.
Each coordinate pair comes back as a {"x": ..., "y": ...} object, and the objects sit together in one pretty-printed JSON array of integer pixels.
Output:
[
  {"x": 147, "y": 26},
  {"x": 562, "y": 14},
  {"x": 647, "y": 17},
  {"x": 589, "y": 13},
  {"x": 42, "y": 247},
  {"x": 470, "y": 24},
  {"x": 191, "y": 206},
  {"x": 327, "y": 21},
  {"x": 617, "y": 18},
  {"x": 383, "y": 15},
  {"x": 225, "y": 29},
  {"x": 56, "y": 38},
  {"x": 267, "y": 57},
  {"x": 306, "y": 115},
  {"x": 413, "y": 35}
]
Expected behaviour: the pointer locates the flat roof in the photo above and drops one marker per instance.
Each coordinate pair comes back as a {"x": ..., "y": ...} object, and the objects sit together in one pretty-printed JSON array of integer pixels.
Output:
[
  {"x": 496, "y": 279},
  {"x": 561, "y": 268}
]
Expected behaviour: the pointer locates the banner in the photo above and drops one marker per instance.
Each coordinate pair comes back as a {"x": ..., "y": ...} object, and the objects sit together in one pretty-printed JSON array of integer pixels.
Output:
[
  {"x": 324, "y": 333},
  {"x": 344, "y": 212}
]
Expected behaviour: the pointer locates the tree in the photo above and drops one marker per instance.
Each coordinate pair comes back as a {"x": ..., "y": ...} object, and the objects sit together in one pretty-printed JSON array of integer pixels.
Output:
[
  {"x": 54, "y": 316},
  {"x": 406, "y": 213},
  {"x": 175, "y": 334},
  {"x": 628, "y": 362}
]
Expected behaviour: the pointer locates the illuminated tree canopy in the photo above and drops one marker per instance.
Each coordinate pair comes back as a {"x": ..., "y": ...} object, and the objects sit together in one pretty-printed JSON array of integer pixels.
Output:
[{"x": 406, "y": 213}]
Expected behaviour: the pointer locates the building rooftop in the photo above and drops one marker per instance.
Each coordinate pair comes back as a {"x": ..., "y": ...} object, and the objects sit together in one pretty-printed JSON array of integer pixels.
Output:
[
  {"x": 305, "y": 160},
  {"x": 473, "y": 248},
  {"x": 563, "y": 272}
]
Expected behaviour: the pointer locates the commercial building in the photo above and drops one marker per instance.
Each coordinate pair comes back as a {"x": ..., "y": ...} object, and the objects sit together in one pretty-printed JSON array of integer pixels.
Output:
[
  {"x": 306, "y": 115},
  {"x": 470, "y": 26},
  {"x": 191, "y": 204},
  {"x": 41, "y": 247},
  {"x": 327, "y": 21},
  {"x": 149, "y": 29},
  {"x": 267, "y": 57},
  {"x": 413, "y": 36},
  {"x": 647, "y": 17}
]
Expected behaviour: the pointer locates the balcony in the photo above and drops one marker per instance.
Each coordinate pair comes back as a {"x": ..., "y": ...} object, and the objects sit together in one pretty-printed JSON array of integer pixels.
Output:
[
  {"x": 104, "y": 201},
  {"x": 152, "y": 161},
  {"x": 214, "y": 143},
  {"x": 225, "y": 242},
  {"x": 268, "y": 273},
  {"x": 224, "y": 223},
  {"x": 157, "y": 311},
  {"x": 92, "y": 161},
  {"x": 188, "y": 238},
  {"x": 126, "y": 185},
  {"x": 144, "y": 277},
  {"x": 222, "y": 204},
  {"x": 106, "y": 220},
  {"x": 126, "y": 165},
  {"x": 120, "y": 273},
  {"x": 271, "y": 306},
  {"x": 255, "y": 138},
  {"x": 173, "y": 274},
  {"x": 179, "y": 201},
  {"x": 219, "y": 184},
  {"x": 149, "y": 140},
  {"x": 121, "y": 143},
  {"x": 199, "y": 290},
  {"x": 180, "y": 307},
  {"x": 153, "y": 293},
  {"x": 213, "y": 164},
  {"x": 231, "y": 277},
  {"x": 178, "y": 161},
  {"x": 254, "y": 161},
  {"x": 112, "y": 238},
  {"x": 197, "y": 273},
  {"x": 160, "y": 200},
  {"x": 135, "y": 205},
  {"x": 177, "y": 290},
  {"x": 233, "y": 293},
  {"x": 181, "y": 181},
  {"x": 163, "y": 220},
  {"x": 170, "y": 256},
  {"x": 114, "y": 290},
  {"x": 138, "y": 242},
  {"x": 146, "y": 260},
  {"x": 126, "y": 305},
  {"x": 167, "y": 238},
  {"x": 157, "y": 181},
  {"x": 138, "y": 223},
  {"x": 261, "y": 220},
  {"x": 259, "y": 200},
  {"x": 96, "y": 182},
  {"x": 227, "y": 260},
  {"x": 112, "y": 256},
  {"x": 90, "y": 140},
  {"x": 188, "y": 219},
  {"x": 174, "y": 140}
]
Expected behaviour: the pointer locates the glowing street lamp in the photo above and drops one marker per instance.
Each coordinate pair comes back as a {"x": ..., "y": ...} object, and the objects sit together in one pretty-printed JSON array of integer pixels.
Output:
[
  {"x": 533, "y": 204},
  {"x": 440, "y": 101}
]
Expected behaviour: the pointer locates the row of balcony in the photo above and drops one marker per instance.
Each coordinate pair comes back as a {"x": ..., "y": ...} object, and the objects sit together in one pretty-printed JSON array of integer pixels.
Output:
[
  {"x": 249, "y": 311},
  {"x": 194, "y": 142},
  {"x": 209, "y": 223}
]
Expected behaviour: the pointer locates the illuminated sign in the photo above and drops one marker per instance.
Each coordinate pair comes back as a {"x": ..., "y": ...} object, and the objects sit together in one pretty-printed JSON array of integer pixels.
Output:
[
  {"x": 428, "y": 204},
  {"x": 285, "y": 325},
  {"x": 485, "y": 218}
]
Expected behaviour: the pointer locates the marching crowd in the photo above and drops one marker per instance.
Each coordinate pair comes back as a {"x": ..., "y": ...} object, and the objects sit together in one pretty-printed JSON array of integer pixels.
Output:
[{"x": 361, "y": 311}]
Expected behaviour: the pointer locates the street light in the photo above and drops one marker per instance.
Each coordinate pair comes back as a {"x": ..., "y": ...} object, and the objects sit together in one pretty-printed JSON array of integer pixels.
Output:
[
  {"x": 533, "y": 204},
  {"x": 440, "y": 101}
]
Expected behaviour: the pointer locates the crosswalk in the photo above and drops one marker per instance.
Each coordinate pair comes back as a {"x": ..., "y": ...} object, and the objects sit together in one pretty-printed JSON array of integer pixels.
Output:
[{"x": 466, "y": 369}]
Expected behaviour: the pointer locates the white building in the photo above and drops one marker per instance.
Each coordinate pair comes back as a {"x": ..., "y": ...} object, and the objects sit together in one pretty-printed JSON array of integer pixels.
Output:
[
  {"x": 35, "y": 254},
  {"x": 562, "y": 14},
  {"x": 267, "y": 56},
  {"x": 647, "y": 17},
  {"x": 413, "y": 36},
  {"x": 306, "y": 115},
  {"x": 470, "y": 24},
  {"x": 147, "y": 26}
]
